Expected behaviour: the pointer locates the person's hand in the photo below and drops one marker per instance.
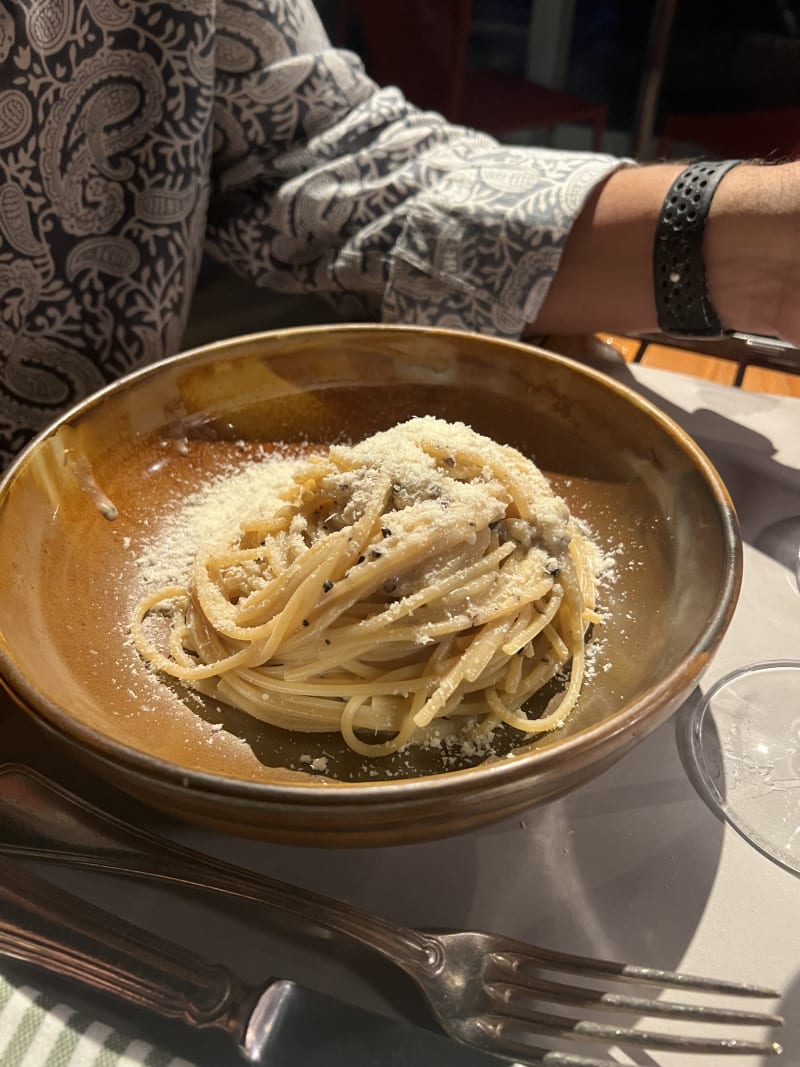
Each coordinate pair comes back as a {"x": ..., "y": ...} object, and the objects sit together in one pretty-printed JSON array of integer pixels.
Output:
[{"x": 751, "y": 251}]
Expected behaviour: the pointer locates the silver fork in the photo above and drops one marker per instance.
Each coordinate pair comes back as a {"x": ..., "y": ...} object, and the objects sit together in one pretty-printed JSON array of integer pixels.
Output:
[
  {"x": 276, "y": 1023},
  {"x": 484, "y": 989}
]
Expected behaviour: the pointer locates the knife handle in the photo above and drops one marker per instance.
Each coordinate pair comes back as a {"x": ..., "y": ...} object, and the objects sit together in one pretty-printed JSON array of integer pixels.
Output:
[{"x": 52, "y": 929}]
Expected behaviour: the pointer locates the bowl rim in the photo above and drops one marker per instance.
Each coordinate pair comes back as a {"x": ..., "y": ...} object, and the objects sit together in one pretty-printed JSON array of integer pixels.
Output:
[{"x": 506, "y": 771}]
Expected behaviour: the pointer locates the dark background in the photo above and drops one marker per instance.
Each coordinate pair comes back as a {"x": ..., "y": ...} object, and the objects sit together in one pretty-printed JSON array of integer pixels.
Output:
[{"x": 723, "y": 56}]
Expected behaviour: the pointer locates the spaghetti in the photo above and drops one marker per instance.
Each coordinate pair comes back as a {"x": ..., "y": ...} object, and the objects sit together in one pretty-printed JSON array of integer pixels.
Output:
[{"x": 422, "y": 578}]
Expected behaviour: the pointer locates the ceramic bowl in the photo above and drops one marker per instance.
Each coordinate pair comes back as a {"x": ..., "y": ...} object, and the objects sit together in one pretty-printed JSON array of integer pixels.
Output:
[{"x": 80, "y": 507}]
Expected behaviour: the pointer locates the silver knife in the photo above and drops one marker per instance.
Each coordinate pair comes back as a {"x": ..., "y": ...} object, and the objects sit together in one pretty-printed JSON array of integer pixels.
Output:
[{"x": 280, "y": 1024}]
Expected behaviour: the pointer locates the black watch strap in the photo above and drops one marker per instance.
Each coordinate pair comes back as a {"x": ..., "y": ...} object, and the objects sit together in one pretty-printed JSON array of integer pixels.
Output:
[{"x": 683, "y": 302}]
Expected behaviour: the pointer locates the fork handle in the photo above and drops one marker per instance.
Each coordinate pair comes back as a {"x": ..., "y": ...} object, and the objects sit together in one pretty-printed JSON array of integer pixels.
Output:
[
  {"x": 41, "y": 820},
  {"x": 45, "y": 926}
]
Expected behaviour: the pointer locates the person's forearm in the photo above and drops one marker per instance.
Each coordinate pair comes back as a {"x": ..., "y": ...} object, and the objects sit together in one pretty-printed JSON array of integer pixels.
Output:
[
  {"x": 604, "y": 275},
  {"x": 750, "y": 250}
]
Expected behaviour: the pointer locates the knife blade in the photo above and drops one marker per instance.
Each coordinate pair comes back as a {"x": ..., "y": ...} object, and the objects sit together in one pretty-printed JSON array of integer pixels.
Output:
[{"x": 281, "y": 1024}]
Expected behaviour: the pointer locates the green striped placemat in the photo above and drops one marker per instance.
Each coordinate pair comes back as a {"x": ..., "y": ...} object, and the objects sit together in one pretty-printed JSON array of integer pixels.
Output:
[{"x": 37, "y": 1031}]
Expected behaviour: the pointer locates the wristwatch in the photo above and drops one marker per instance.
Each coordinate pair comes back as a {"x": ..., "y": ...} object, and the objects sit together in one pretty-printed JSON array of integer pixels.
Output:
[{"x": 683, "y": 302}]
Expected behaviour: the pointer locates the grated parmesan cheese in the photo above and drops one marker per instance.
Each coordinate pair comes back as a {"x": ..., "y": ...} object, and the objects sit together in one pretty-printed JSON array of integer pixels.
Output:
[{"x": 212, "y": 515}]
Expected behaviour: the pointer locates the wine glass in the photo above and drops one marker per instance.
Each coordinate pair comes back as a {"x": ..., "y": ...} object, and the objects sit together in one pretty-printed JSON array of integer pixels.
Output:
[
  {"x": 744, "y": 742},
  {"x": 743, "y": 737}
]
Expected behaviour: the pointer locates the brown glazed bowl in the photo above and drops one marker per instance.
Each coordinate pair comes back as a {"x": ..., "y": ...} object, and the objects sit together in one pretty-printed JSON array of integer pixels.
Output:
[{"x": 80, "y": 506}]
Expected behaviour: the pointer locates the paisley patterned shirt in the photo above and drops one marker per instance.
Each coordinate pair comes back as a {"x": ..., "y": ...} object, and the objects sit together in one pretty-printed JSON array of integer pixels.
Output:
[{"x": 137, "y": 134}]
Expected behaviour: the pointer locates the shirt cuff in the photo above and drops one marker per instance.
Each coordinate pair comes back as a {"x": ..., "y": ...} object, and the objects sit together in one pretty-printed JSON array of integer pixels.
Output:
[{"x": 479, "y": 249}]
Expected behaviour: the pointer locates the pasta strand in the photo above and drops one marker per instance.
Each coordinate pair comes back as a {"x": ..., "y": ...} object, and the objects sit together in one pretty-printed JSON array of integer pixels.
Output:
[{"x": 425, "y": 574}]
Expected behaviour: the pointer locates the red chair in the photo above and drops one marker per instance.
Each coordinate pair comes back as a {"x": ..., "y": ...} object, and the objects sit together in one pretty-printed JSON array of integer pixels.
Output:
[{"x": 421, "y": 46}]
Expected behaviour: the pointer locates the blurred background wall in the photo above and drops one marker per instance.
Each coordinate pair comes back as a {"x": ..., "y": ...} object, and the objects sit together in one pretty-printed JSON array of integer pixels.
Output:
[{"x": 652, "y": 63}]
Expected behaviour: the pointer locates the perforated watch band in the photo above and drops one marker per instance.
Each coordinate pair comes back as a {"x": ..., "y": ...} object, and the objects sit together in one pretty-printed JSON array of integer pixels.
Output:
[{"x": 682, "y": 299}]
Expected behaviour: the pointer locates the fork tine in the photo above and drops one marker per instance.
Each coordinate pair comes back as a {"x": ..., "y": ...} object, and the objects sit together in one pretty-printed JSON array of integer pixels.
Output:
[
  {"x": 558, "y": 1059},
  {"x": 526, "y": 988},
  {"x": 523, "y": 1052},
  {"x": 516, "y": 954},
  {"x": 502, "y": 1028}
]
